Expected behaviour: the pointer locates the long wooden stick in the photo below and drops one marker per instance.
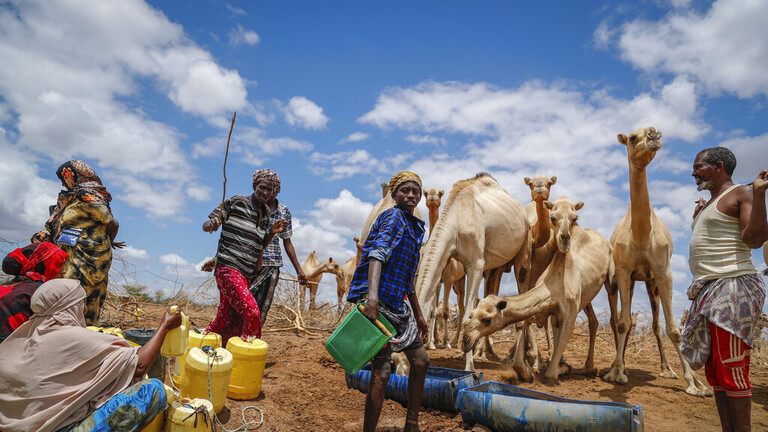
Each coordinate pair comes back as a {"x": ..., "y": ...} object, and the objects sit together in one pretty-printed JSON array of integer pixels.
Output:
[{"x": 226, "y": 155}]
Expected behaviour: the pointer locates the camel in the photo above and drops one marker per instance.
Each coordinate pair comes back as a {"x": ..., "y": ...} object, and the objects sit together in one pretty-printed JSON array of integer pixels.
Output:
[
  {"x": 579, "y": 268},
  {"x": 537, "y": 213},
  {"x": 314, "y": 271},
  {"x": 453, "y": 277},
  {"x": 344, "y": 278},
  {"x": 642, "y": 249},
  {"x": 483, "y": 228}
]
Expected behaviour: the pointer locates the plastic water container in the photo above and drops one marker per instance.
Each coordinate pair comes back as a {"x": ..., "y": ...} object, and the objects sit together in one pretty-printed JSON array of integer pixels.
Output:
[
  {"x": 356, "y": 340},
  {"x": 181, "y": 417},
  {"x": 248, "y": 363},
  {"x": 156, "y": 425},
  {"x": 194, "y": 382},
  {"x": 197, "y": 338},
  {"x": 141, "y": 337},
  {"x": 108, "y": 330},
  {"x": 175, "y": 342}
]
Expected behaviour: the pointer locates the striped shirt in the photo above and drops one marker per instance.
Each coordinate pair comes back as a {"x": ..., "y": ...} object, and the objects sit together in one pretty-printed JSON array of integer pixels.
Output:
[
  {"x": 395, "y": 240},
  {"x": 242, "y": 234},
  {"x": 273, "y": 255}
]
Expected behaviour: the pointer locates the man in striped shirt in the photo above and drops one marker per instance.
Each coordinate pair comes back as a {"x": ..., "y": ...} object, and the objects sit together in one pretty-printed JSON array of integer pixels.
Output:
[{"x": 246, "y": 230}]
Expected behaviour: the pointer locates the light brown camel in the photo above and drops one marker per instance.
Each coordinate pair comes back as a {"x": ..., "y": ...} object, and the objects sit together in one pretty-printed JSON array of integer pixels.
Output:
[
  {"x": 483, "y": 228},
  {"x": 453, "y": 277},
  {"x": 642, "y": 249},
  {"x": 344, "y": 278},
  {"x": 537, "y": 213},
  {"x": 314, "y": 271},
  {"x": 580, "y": 267}
]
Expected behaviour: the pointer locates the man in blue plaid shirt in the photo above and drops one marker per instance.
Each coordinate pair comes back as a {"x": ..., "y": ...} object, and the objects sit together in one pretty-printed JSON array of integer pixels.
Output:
[
  {"x": 263, "y": 284},
  {"x": 384, "y": 277}
]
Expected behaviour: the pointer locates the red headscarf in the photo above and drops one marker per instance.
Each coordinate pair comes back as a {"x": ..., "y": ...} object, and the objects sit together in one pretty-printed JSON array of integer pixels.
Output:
[{"x": 48, "y": 254}]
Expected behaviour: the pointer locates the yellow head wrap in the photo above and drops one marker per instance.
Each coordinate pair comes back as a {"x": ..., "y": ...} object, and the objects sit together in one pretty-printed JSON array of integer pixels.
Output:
[{"x": 402, "y": 177}]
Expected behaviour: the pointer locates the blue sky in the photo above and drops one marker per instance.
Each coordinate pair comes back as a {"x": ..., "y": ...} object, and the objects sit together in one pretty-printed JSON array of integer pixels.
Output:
[{"x": 336, "y": 96}]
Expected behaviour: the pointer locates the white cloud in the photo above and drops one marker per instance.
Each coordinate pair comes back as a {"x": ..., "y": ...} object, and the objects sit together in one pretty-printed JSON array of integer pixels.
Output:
[
  {"x": 602, "y": 36},
  {"x": 355, "y": 137},
  {"x": 68, "y": 77},
  {"x": 235, "y": 10},
  {"x": 345, "y": 164},
  {"x": 425, "y": 139},
  {"x": 705, "y": 46},
  {"x": 239, "y": 36},
  {"x": 304, "y": 113},
  {"x": 344, "y": 214},
  {"x": 131, "y": 253}
]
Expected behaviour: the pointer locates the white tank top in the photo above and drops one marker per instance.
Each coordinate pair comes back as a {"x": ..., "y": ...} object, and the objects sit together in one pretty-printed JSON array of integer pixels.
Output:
[{"x": 717, "y": 250}]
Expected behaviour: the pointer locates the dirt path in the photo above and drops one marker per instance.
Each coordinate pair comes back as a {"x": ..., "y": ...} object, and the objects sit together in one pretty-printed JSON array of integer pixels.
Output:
[{"x": 305, "y": 390}]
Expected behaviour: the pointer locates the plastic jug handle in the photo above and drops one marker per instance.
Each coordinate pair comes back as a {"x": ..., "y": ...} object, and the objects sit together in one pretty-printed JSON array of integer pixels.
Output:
[{"x": 378, "y": 324}]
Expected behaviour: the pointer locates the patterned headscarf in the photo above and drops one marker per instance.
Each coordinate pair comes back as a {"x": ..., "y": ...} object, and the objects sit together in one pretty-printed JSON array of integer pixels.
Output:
[
  {"x": 402, "y": 177},
  {"x": 38, "y": 261},
  {"x": 265, "y": 174},
  {"x": 81, "y": 182}
]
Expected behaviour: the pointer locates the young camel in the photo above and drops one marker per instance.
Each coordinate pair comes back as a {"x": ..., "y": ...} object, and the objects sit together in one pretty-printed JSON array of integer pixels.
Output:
[
  {"x": 314, "y": 271},
  {"x": 642, "y": 249},
  {"x": 344, "y": 277},
  {"x": 481, "y": 227},
  {"x": 453, "y": 277},
  {"x": 579, "y": 268}
]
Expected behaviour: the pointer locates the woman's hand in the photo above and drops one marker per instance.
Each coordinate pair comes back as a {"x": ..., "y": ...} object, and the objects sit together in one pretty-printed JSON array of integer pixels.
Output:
[
  {"x": 118, "y": 245},
  {"x": 171, "y": 320}
]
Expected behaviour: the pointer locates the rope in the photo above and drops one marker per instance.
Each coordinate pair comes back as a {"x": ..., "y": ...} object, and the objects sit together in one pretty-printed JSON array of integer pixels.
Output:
[{"x": 212, "y": 357}]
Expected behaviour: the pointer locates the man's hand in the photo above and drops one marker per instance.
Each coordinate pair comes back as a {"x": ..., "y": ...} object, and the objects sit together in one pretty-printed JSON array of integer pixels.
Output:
[
  {"x": 208, "y": 265},
  {"x": 371, "y": 310},
  {"x": 423, "y": 329},
  {"x": 214, "y": 223},
  {"x": 302, "y": 278},
  {"x": 279, "y": 226},
  {"x": 700, "y": 203},
  {"x": 761, "y": 183}
]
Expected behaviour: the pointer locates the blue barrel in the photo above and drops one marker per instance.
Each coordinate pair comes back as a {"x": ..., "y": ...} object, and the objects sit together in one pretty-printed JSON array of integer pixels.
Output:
[
  {"x": 504, "y": 407},
  {"x": 441, "y": 386}
]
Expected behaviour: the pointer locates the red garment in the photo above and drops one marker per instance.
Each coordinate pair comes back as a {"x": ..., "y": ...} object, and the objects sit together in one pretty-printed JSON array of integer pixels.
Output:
[
  {"x": 728, "y": 366},
  {"x": 238, "y": 313},
  {"x": 47, "y": 253}
]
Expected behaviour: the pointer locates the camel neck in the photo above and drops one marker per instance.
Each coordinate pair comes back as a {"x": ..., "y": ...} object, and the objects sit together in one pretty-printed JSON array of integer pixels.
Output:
[
  {"x": 541, "y": 230},
  {"x": 434, "y": 213},
  {"x": 640, "y": 205}
]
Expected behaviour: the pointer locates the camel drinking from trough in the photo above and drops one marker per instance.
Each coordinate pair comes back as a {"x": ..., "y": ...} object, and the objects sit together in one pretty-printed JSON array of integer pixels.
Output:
[
  {"x": 579, "y": 269},
  {"x": 483, "y": 228}
]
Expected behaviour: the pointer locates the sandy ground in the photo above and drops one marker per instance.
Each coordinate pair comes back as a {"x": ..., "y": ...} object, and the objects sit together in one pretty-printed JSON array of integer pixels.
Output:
[{"x": 305, "y": 390}]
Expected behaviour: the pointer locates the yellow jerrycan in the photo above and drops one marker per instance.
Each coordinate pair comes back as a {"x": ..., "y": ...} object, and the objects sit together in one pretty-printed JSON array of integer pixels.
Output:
[
  {"x": 199, "y": 364},
  {"x": 175, "y": 342},
  {"x": 247, "y": 367},
  {"x": 156, "y": 425},
  {"x": 197, "y": 338},
  {"x": 195, "y": 415}
]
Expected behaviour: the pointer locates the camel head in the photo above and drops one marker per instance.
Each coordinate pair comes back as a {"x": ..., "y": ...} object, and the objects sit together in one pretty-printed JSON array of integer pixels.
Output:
[
  {"x": 334, "y": 267},
  {"x": 384, "y": 190},
  {"x": 487, "y": 318},
  {"x": 540, "y": 186},
  {"x": 642, "y": 145},
  {"x": 562, "y": 214},
  {"x": 432, "y": 197}
]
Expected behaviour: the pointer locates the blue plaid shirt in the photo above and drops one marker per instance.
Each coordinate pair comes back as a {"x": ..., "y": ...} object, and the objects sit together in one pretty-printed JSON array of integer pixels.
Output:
[
  {"x": 395, "y": 240},
  {"x": 273, "y": 254}
]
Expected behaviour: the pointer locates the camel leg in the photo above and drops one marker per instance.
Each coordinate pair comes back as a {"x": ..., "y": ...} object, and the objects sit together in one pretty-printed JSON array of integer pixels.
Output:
[
  {"x": 432, "y": 323},
  {"x": 445, "y": 315},
  {"x": 458, "y": 288},
  {"x": 519, "y": 364},
  {"x": 589, "y": 365},
  {"x": 653, "y": 295},
  {"x": 312, "y": 295},
  {"x": 562, "y": 334},
  {"x": 474, "y": 278},
  {"x": 695, "y": 386},
  {"x": 621, "y": 323}
]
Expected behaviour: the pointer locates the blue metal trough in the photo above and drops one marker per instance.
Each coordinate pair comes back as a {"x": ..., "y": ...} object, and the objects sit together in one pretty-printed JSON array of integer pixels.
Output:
[
  {"x": 504, "y": 407},
  {"x": 441, "y": 386}
]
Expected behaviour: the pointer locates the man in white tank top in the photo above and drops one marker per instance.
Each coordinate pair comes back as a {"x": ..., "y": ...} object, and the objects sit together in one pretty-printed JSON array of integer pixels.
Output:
[{"x": 727, "y": 290}]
